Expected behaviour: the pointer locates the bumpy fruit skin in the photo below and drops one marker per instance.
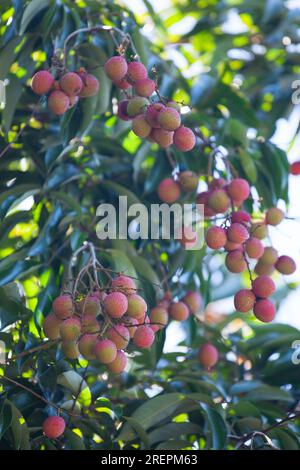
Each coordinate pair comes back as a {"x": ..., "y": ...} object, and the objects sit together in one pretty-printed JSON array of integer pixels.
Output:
[
  {"x": 259, "y": 230},
  {"x": 119, "y": 364},
  {"x": 42, "y": 82},
  {"x": 137, "y": 306},
  {"x": 86, "y": 346},
  {"x": 122, "y": 84},
  {"x": 168, "y": 191},
  {"x": 208, "y": 355},
  {"x": 89, "y": 324},
  {"x": 58, "y": 102},
  {"x": 90, "y": 85},
  {"x": 152, "y": 114},
  {"x": 116, "y": 304},
  {"x": 116, "y": 68},
  {"x": 244, "y": 300},
  {"x": 105, "y": 351},
  {"x": 216, "y": 237},
  {"x": 169, "y": 119},
  {"x": 63, "y": 306},
  {"x": 143, "y": 337},
  {"x": 295, "y": 168},
  {"x": 162, "y": 137},
  {"x": 263, "y": 286},
  {"x": 217, "y": 183},
  {"x": 193, "y": 300},
  {"x": 71, "y": 83},
  {"x": 122, "y": 110},
  {"x": 131, "y": 325},
  {"x": 124, "y": 283},
  {"x": 136, "y": 71},
  {"x": 270, "y": 255},
  {"x": 70, "y": 349},
  {"x": 140, "y": 126},
  {"x": 238, "y": 189},
  {"x": 137, "y": 105},
  {"x": 263, "y": 268},
  {"x": 184, "y": 139},
  {"x": 241, "y": 217},
  {"x": 274, "y": 216},
  {"x": 51, "y": 326},
  {"x": 179, "y": 311},
  {"x": 90, "y": 305},
  {"x": 218, "y": 201},
  {"x": 202, "y": 198},
  {"x": 254, "y": 248},
  {"x": 188, "y": 180},
  {"x": 158, "y": 318},
  {"x": 235, "y": 262},
  {"x": 119, "y": 335},
  {"x": 70, "y": 329},
  {"x": 145, "y": 87},
  {"x": 285, "y": 265},
  {"x": 237, "y": 233},
  {"x": 53, "y": 427},
  {"x": 231, "y": 246},
  {"x": 264, "y": 310}
]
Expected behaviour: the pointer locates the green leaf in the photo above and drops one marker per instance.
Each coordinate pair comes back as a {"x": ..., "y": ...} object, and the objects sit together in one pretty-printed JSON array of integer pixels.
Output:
[
  {"x": 217, "y": 427},
  {"x": 34, "y": 8}
]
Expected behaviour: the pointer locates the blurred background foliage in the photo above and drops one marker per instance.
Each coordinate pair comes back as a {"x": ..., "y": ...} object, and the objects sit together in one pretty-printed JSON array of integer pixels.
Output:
[{"x": 233, "y": 62}]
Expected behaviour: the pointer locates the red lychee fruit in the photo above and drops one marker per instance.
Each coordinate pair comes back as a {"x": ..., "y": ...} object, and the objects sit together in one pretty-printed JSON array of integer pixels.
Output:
[
  {"x": 216, "y": 237},
  {"x": 136, "y": 71},
  {"x": 71, "y": 83},
  {"x": 42, "y": 82},
  {"x": 208, "y": 355},
  {"x": 119, "y": 364},
  {"x": 168, "y": 190},
  {"x": 263, "y": 286},
  {"x": 162, "y": 137},
  {"x": 137, "y": 306},
  {"x": 270, "y": 255},
  {"x": 90, "y": 305},
  {"x": 173, "y": 104},
  {"x": 105, "y": 351},
  {"x": 51, "y": 326},
  {"x": 188, "y": 180},
  {"x": 217, "y": 183},
  {"x": 274, "y": 216},
  {"x": 262, "y": 268},
  {"x": 235, "y": 261},
  {"x": 169, "y": 119},
  {"x": 58, "y": 102},
  {"x": 184, "y": 139},
  {"x": 131, "y": 324},
  {"x": 237, "y": 233},
  {"x": 140, "y": 126},
  {"x": 144, "y": 337},
  {"x": 179, "y": 311},
  {"x": 254, "y": 248},
  {"x": 89, "y": 324},
  {"x": 90, "y": 85},
  {"x": 145, "y": 87},
  {"x": 53, "y": 427},
  {"x": 238, "y": 189},
  {"x": 218, "y": 201},
  {"x": 202, "y": 198},
  {"x": 122, "y": 110},
  {"x": 152, "y": 114},
  {"x": 295, "y": 168},
  {"x": 122, "y": 84},
  {"x": 115, "y": 304},
  {"x": 137, "y": 105},
  {"x": 70, "y": 329},
  {"x": 259, "y": 230},
  {"x": 124, "y": 283},
  {"x": 285, "y": 265},
  {"x": 63, "y": 306},
  {"x": 86, "y": 346},
  {"x": 230, "y": 246},
  {"x": 116, "y": 68},
  {"x": 244, "y": 300},
  {"x": 119, "y": 334},
  {"x": 193, "y": 300},
  {"x": 264, "y": 310},
  {"x": 158, "y": 318},
  {"x": 241, "y": 217}
]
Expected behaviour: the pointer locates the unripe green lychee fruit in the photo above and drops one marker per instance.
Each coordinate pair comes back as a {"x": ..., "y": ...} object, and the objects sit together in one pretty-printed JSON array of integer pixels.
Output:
[
  {"x": 231, "y": 246},
  {"x": 173, "y": 104},
  {"x": 237, "y": 233},
  {"x": 140, "y": 126},
  {"x": 202, "y": 198},
  {"x": 169, "y": 119},
  {"x": 143, "y": 337},
  {"x": 105, "y": 351},
  {"x": 58, "y": 102},
  {"x": 70, "y": 329},
  {"x": 71, "y": 83},
  {"x": 131, "y": 324},
  {"x": 86, "y": 346},
  {"x": 285, "y": 265},
  {"x": 274, "y": 216},
  {"x": 119, "y": 335},
  {"x": 137, "y": 105},
  {"x": 262, "y": 268},
  {"x": 241, "y": 217},
  {"x": 137, "y": 306},
  {"x": 42, "y": 82},
  {"x": 263, "y": 286},
  {"x": 193, "y": 300},
  {"x": 162, "y": 137},
  {"x": 51, "y": 326},
  {"x": 217, "y": 183},
  {"x": 70, "y": 349},
  {"x": 116, "y": 304},
  {"x": 259, "y": 230},
  {"x": 218, "y": 201},
  {"x": 116, "y": 68},
  {"x": 63, "y": 306},
  {"x": 184, "y": 139},
  {"x": 136, "y": 71},
  {"x": 264, "y": 310},
  {"x": 158, "y": 318},
  {"x": 53, "y": 427},
  {"x": 122, "y": 84},
  {"x": 124, "y": 283},
  {"x": 270, "y": 255},
  {"x": 238, "y": 189},
  {"x": 188, "y": 180},
  {"x": 119, "y": 364},
  {"x": 168, "y": 190},
  {"x": 235, "y": 261},
  {"x": 152, "y": 114},
  {"x": 89, "y": 323},
  {"x": 208, "y": 355},
  {"x": 244, "y": 300},
  {"x": 90, "y": 305},
  {"x": 145, "y": 87},
  {"x": 122, "y": 110},
  {"x": 179, "y": 311},
  {"x": 216, "y": 237},
  {"x": 254, "y": 248}
]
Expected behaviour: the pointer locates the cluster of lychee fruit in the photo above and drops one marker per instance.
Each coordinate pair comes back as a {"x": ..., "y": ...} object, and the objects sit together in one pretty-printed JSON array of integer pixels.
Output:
[
  {"x": 64, "y": 93},
  {"x": 179, "y": 310},
  {"x": 155, "y": 120},
  {"x": 169, "y": 189}
]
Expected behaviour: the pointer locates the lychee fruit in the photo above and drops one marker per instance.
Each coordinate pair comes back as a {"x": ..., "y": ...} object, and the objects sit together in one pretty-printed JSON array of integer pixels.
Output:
[
  {"x": 70, "y": 349},
  {"x": 86, "y": 346},
  {"x": 254, "y": 248},
  {"x": 169, "y": 119},
  {"x": 193, "y": 300},
  {"x": 51, "y": 326},
  {"x": 235, "y": 261},
  {"x": 105, "y": 351},
  {"x": 168, "y": 190},
  {"x": 42, "y": 82},
  {"x": 140, "y": 126},
  {"x": 295, "y": 168},
  {"x": 90, "y": 85},
  {"x": 162, "y": 137},
  {"x": 188, "y": 180},
  {"x": 259, "y": 230},
  {"x": 90, "y": 305},
  {"x": 122, "y": 110},
  {"x": 158, "y": 318},
  {"x": 137, "y": 306},
  {"x": 115, "y": 304},
  {"x": 152, "y": 114},
  {"x": 179, "y": 311},
  {"x": 53, "y": 427},
  {"x": 216, "y": 237},
  {"x": 136, "y": 71},
  {"x": 244, "y": 300},
  {"x": 263, "y": 286},
  {"x": 143, "y": 337},
  {"x": 241, "y": 217},
  {"x": 145, "y": 87},
  {"x": 71, "y": 83},
  {"x": 202, "y": 198},
  {"x": 137, "y": 105},
  {"x": 264, "y": 310},
  {"x": 119, "y": 364},
  {"x": 131, "y": 324},
  {"x": 124, "y": 283},
  {"x": 285, "y": 265},
  {"x": 262, "y": 268},
  {"x": 237, "y": 233},
  {"x": 208, "y": 355},
  {"x": 119, "y": 334},
  {"x": 274, "y": 216},
  {"x": 173, "y": 104},
  {"x": 70, "y": 329},
  {"x": 89, "y": 324},
  {"x": 238, "y": 189},
  {"x": 63, "y": 306},
  {"x": 184, "y": 139},
  {"x": 116, "y": 68},
  {"x": 122, "y": 84},
  {"x": 58, "y": 102},
  {"x": 217, "y": 183},
  {"x": 218, "y": 201},
  {"x": 231, "y": 246}
]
